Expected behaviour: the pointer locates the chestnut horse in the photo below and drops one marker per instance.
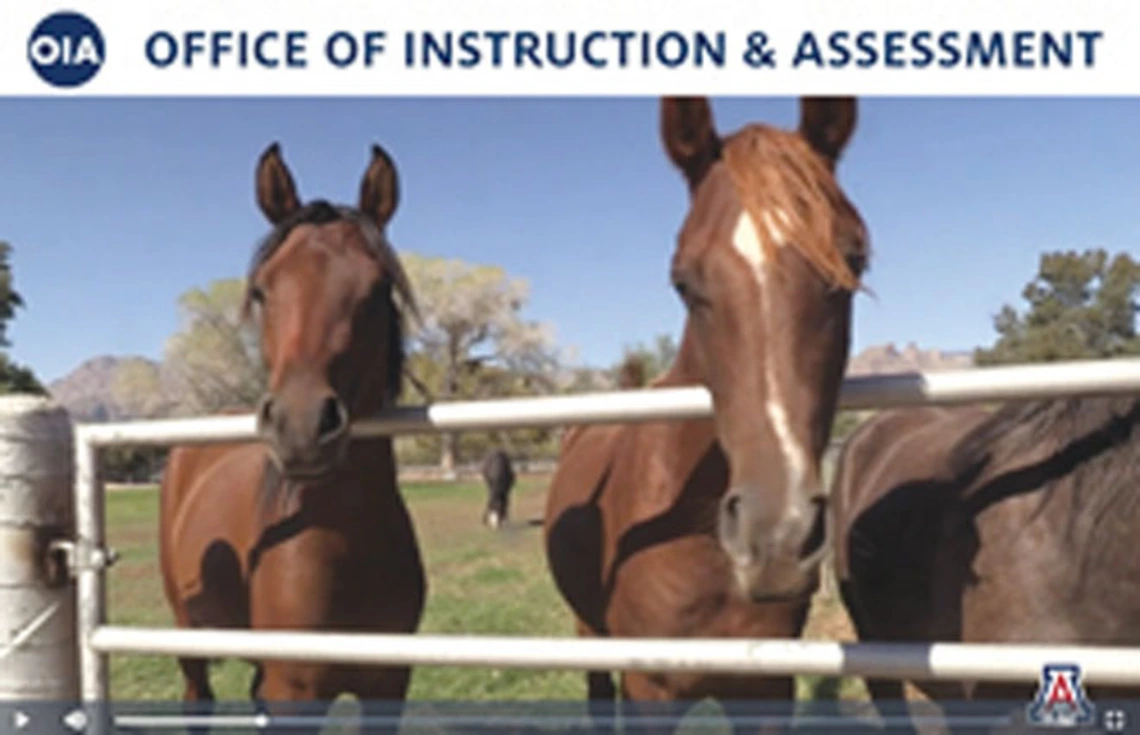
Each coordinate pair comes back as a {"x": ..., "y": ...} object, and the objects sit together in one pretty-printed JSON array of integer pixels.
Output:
[
  {"x": 1014, "y": 526},
  {"x": 654, "y": 529},
  {"x": 306, "y": 530}
]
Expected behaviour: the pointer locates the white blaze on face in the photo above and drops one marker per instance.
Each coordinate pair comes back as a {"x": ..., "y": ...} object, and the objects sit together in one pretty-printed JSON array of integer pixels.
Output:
[{"x": 747, "y": 242}]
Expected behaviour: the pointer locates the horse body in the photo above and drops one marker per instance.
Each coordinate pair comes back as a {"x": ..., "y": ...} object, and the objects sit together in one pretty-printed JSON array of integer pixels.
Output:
[
  {"x": 716, "y": 527},
  {"x": 1012, "y": 527},
  {"x": 305, "y": 530},
  {"x": 633, "y": 548},
  {"x": 313, "y": 565}
]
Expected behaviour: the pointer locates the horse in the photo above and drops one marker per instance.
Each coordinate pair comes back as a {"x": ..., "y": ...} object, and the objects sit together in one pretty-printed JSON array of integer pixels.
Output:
[
  {"x": 973, "y": 525},
  {"x": 305, "y": 529},
  {"x": 714, "y": 527},
  {"x": 500, "y": 478}
]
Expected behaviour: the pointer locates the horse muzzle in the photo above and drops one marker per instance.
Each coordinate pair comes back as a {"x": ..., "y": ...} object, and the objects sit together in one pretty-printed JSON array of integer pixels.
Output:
[
  {"x": 774, "y": 557},
  {"x": 307, "y": 439}
]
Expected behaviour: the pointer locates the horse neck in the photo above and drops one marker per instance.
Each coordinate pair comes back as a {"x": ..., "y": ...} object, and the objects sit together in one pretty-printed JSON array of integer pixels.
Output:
[
  {"x": 690, "y": 444},
  {"x": 373, "y": 458},
  {"x": 685, "y": 370}
]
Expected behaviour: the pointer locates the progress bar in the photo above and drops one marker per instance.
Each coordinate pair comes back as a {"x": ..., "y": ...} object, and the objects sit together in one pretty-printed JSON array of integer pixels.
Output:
[{"x": 261, "y": 721}]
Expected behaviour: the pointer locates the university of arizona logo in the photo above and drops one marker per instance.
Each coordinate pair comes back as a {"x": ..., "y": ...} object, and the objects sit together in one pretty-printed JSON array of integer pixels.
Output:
[{"x": 1061, "y": 700}]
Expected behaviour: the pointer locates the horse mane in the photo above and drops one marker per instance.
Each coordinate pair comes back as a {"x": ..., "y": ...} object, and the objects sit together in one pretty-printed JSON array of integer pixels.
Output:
[
  {"x": 396, "y": 284},
  {"x": 774, "y": 171},
  {"x": 1089, "y": 441}
]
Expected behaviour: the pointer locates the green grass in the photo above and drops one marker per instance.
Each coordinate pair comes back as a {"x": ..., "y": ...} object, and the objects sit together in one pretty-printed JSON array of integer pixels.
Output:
[{"x": 480, "y": 582}]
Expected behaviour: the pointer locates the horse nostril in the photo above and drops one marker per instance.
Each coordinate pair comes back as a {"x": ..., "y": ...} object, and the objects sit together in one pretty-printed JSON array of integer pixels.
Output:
[
  {"x": 730, "y": 512},
  {"x": 265, "y": 414},
  {"x": 333, "y": 419},
  {"x": 817, "y": 534},
  {"x": 732, "y": 507}
]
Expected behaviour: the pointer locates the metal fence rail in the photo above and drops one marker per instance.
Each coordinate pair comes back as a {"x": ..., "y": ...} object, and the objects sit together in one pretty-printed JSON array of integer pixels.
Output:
[
  {"x": 1021, "y": 382},
  {"x": 929, "y": 661}
]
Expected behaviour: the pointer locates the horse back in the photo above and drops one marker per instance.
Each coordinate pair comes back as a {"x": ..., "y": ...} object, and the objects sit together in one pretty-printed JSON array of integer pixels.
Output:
[
  {"x": 892, "y": 448},
  {"x": 497, "y": 470}
]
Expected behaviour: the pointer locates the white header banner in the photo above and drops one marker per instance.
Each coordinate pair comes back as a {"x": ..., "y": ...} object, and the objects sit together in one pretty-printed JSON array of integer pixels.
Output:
[{"x": 570, "y": 47}]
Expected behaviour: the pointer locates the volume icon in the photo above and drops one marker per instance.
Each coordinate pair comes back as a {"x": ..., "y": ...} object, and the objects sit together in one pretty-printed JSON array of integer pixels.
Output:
[{"x": 76, "y": 720}]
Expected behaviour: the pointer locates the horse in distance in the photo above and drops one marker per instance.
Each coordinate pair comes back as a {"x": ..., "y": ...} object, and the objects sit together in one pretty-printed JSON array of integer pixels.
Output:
[
  {"x": 306, "y": 530},
  {"x": 499, "y": 476},
  {"x": 1007, "y": 526},
  {"x": 715, "y": 527}
]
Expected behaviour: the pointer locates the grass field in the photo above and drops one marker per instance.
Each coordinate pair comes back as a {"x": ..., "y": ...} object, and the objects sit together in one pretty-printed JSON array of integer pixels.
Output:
[{"x": 479, "y": 582}]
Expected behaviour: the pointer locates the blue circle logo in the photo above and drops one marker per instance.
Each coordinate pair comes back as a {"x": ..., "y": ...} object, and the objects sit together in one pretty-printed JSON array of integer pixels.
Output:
[{"x": 66, "y": 49}]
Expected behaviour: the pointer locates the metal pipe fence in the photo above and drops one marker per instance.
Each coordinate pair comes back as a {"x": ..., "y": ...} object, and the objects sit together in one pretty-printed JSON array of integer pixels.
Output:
[{"x": 920, "y": 661}]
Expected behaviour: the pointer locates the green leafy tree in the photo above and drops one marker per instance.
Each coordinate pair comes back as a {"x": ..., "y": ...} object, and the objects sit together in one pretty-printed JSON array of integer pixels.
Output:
[
  {"x": 642, "y": 363},
  {"x": 472, "y": 342},
  {"x": 14, "y": 377},
  {"x": 138, "y": 391},
  {"x": 214, "y": 357},
  {"x": 1078, "y": 306}
]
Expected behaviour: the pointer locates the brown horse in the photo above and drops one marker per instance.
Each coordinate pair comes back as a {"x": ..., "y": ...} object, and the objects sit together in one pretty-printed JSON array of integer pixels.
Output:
[
  {"x": 1014, "y": 526},
  {"x": 767, "y": 261},
  {"x": 306, "y": 530}
]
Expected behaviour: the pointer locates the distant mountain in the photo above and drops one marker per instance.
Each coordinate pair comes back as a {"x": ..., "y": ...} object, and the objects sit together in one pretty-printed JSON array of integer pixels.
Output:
[
  {"x": 885, "y": 359},
  {"x": 87, "y": 392}
]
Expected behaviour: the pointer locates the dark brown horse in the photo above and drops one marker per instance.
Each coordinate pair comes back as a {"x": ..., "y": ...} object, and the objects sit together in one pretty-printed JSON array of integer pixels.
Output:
[
  {"x": 306, "y": 530},
  {"x": 499, "y": 476},
  {"x": 1014, "y": 526},
  {"x": 654, "y": 529}
]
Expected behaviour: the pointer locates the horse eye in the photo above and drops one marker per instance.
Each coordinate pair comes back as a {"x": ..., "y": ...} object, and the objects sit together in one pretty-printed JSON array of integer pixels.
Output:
[
  {"x": 256, "y": 295},
  {"x": 689, "y": 294}
]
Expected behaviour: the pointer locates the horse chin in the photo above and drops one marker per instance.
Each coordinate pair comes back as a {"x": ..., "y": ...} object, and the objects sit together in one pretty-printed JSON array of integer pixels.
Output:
[
  {"x": 764, "y": 585},
  {"x": 310, "y": 474},
  {"x": 314, "y": 469},
  {"x": 306, "y": 472}
]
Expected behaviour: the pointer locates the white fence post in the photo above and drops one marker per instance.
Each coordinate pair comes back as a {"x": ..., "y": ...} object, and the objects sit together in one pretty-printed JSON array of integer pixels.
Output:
[
  {"x": 92, "y": 559},
  {"x": 37, "y": 595}
]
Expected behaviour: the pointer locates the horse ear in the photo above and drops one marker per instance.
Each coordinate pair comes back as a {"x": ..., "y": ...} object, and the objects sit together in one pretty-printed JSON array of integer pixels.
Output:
[
  {"x": 827, "y": 124},
  {"x": 276, "y": 192},
  {"x": 689, "y": 135},
  {"x": 380, "y": 189}
]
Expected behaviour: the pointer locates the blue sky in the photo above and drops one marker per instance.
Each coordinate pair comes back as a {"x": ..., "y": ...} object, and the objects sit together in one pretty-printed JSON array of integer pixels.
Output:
[{"x": 115, "y": 207}]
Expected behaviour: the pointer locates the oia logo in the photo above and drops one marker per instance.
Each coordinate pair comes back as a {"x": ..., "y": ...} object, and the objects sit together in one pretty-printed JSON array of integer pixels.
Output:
[{"x": 66, "y": 49}]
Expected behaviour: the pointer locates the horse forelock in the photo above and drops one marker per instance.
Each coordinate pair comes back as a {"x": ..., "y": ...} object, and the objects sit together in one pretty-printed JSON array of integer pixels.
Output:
[{"x": 777, "y": 174}]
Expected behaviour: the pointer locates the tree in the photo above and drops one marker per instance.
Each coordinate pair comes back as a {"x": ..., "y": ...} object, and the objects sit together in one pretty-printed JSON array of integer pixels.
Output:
[
  {"x": 10, "y": 300},
  {"x": 1080, "y": 306},
  {"x": 471, "y": 340},
  {"x": 14, "y": 377},
  {"x": 642, "y": 363},
  {"x": 138, "y": 391},
  {"x": 215, "y": 358}
]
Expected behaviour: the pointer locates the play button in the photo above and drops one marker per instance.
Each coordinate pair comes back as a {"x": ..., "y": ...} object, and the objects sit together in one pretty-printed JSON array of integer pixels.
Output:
[{"x": 20, "y": 720}]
